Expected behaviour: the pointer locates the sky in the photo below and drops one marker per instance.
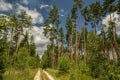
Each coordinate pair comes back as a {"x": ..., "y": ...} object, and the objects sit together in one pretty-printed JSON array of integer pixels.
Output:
[{"x": 38, "y": 10}]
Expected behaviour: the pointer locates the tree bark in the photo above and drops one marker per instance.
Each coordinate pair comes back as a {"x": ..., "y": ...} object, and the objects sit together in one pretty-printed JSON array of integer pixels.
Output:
[
  {"x": 11, "y": 40},
  {"x": 85, "y": 44},
  {"x": 106, "y": 53},
  {"x": 62, "y": 49},
  {"x": 114, "y": 41},
  {"x": 58, "y": 50},
  {"x": 52, "y": 53},
  {"x": 95, "y": 26},
  {"x": 76, "y": 42},
  {"x": 18, "y": 43},
  {"x": 71, "y": 48}
]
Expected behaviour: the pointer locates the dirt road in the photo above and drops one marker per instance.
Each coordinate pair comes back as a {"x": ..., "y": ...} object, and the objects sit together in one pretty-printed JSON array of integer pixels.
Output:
[{"x": 43, "y": 75}]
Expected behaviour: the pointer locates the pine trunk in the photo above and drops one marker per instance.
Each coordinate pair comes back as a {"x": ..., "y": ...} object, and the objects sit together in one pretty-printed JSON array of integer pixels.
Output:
[
  {"x": 71, "y": 48},
  {"x": 18, "y": 43},
  {"x": 11, "y": 40},
  {"x": 58, "y": 50},
  {"x": 76, "y": 42},
  {"x": 52, "y": 53},
  {"x": 114, "y": 41},
  {"x": 85, "y": 44},
  {"x": 62, "y": 49},
  {"x": 106, "y": 53},
  {"x": 95, "y": 26}
]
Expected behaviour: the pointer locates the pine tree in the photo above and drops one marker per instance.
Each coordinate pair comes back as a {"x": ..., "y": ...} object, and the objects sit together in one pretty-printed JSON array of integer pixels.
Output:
[
  {"x": 85, "y": 13},
  {"x": 32, "y": 47},
  {"x": 53, "y": 31},
  {"x": 74, "y": 17},
  {"x": 69, "y": 36},
  {"x": 61, "y": 33},
  {"x": 110, "y": 7},
  {"x": 24, "y": 21},
  {"x": 49, "y": 31},
  {"x": 95, "y": 13}
]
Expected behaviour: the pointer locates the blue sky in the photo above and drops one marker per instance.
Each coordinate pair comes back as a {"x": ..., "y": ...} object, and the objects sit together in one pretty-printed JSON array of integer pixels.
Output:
[{"x": 42, "y": 7}]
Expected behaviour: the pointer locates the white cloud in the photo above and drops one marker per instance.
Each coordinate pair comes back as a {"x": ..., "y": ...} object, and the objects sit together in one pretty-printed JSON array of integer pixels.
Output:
[
  {"x": 43, "y": 6},
  {"x": 115, "y": 18},
  {"x": 5, "y": 6},
  {"x": 25, "y": 2},
  {"x": 62, "y": 12},
  {"x": 36, "y": 16},
  {"x": 40, "y": 40},
  {"x": 2, "y": 14},
  {"x": 61, "y": 15}
]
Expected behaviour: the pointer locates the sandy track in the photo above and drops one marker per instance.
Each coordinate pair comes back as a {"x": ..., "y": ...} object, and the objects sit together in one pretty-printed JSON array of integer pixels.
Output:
[{"x": 38, "y": 75}]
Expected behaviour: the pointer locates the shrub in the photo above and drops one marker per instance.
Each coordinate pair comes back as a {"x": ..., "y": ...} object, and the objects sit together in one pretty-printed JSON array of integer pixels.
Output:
[
  {"x": 45, "y": 61},
  {"x": 64, "y": 64}
]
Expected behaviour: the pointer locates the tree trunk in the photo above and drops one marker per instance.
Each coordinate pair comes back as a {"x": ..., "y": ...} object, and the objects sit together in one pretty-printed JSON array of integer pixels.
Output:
[
  {"x": 11, "y": 40},
  {"x": 58, "y": 50},
  {"x": 52, "y": 53},
  {"x": 62, "y": 49},
  {"x": 113, "y": 52},
  {"x": 71, "y": 48},
  {"x": 76, "y": 42},
  {"x": 95, "y": 26},
  {"x": 106, "y": 53},
  {"x": 114, "y": 41},
  {"x": 18, "y": 43},
  {"x": 85, "y": 44},
  {"x": 58, "y": 43}
]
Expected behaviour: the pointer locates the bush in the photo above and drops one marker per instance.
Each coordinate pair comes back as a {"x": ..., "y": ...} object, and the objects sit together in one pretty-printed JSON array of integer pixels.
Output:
[
  {"x": 24, "y": 60},
  {"x": 64, "y": 64},
  {"x": 98, "y": 66},
  {"x": 45, "y": 61},
  {"x": 114, "y": 71}
]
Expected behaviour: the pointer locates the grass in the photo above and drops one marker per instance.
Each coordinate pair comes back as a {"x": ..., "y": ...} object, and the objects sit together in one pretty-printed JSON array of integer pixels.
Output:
[
  {"x": 56, "y": 75},
  {"x": 26, "y": 74},
  {"x": 68, "y": 76}
]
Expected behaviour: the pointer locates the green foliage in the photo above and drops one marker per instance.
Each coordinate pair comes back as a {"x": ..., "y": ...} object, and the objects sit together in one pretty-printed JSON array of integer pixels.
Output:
[
  {"x": 96, "y": 62},
  {"x": 79, "y": 72},
  {"x": 24, "y": 60},
  {"x": 93, "y": 42},
  {"x": 114, "y": 71},
  {"x": 4, "y": 23},
  {"x": 3, "y": 59},
  {"x": 64, "y": 64},
  {"x": 13, "y": 74},
  {"x": 32, "y": 49},
  {"x": 45, "y": 63},
  {"x": 98, "y": 66},
  {"x": 118, "y": 40},
  {"x": 83, "y": 68},
  {"x": 1, "y": 67}
]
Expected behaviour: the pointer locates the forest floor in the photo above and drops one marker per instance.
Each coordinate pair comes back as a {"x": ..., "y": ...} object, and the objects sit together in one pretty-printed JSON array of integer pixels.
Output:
[{"x": 43, "y": 75}]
